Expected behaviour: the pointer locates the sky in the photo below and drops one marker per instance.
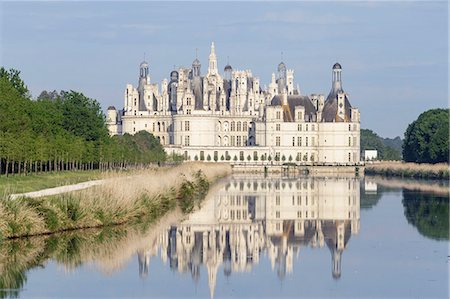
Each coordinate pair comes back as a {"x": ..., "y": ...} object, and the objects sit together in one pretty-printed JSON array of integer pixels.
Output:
[{"x": 394, "y": 55}]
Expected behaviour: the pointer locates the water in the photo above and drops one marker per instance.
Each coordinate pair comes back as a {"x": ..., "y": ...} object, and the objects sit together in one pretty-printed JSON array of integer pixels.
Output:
[{"x": 255, "y": 237}]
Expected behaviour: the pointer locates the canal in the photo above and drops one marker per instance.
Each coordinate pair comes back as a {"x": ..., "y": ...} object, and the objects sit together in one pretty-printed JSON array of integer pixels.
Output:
[{"x": 254, "y": 236}]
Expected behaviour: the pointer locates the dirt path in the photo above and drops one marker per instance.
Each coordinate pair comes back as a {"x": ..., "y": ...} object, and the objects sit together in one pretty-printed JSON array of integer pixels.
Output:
[{"x": 58, "y": 190}]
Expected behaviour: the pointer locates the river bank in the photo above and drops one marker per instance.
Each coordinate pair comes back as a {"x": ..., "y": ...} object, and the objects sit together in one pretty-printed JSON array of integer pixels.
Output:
[
  {"x": 149, "y": 194},
  {"x": 409, "y": 170}
]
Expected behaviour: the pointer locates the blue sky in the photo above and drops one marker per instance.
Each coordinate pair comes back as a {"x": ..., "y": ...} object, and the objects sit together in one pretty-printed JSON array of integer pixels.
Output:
[{"x": 394, "y": 54}]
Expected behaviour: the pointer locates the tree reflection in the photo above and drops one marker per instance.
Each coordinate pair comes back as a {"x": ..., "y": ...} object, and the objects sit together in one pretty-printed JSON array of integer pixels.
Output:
[{"x": 428, "y": 212}]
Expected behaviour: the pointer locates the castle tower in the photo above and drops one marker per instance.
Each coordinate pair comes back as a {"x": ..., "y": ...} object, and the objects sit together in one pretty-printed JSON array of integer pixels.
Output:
[
  {"x": 212, "y": 69},
  {"x": 144, "y": 79},
  {"x": 196, "y": 68},
  {"x": 281, "y": 76},
  {"x": 227, "y": 72},
  {"x": 336, "y": 77}
]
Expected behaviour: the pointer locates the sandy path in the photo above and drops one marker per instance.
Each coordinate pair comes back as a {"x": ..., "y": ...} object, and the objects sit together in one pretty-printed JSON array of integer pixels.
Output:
[{"x": 58, "y": 190}]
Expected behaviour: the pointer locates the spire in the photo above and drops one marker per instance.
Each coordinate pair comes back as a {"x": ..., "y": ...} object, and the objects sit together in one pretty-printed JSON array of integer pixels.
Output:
[{"x": 212, "y": 69}]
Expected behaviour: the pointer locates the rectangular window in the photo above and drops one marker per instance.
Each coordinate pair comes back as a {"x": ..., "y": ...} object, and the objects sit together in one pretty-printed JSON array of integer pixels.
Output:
[
  {"x": 306, "y": 127},
  {"x": 313, "y": 141},
  {"x": 306, "y": 141},
  {"x": 299, "y": 141},
  {"x": 278, "y": 127},
  {"x": 349, "y": 141},
  {"x": 277, "y": 214},
  {"x": 277, "y": 200},
  {"x": 299, "y": 127},
  {"x": 187, "y": 140},
  {"x": 278, "y": 114},
  {"x": 186, "y": 126},
  {"x": 277, "y": 141},
  {"x": 238, "y": 141}
]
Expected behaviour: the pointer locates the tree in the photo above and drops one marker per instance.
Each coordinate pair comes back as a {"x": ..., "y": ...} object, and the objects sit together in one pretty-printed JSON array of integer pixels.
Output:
[
  {"x": 427, "y": 138},
  {"x": 371, "y": 141},
  {"x": 13, "y": 76}
]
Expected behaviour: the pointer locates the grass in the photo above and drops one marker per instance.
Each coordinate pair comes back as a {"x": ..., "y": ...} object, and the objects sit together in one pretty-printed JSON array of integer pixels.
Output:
[
  {"x": 413, "y": 170},
  {"x": 122, "y": 199},
  {"x": 34, "y": 182},
  {"x": 108, "y": 249}
]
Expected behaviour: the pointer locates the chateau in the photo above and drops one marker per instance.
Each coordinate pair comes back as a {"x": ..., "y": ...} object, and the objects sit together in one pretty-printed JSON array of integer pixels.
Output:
[
  {"x": 251, "y": 217},
  {"x": 230, "y": 117}
]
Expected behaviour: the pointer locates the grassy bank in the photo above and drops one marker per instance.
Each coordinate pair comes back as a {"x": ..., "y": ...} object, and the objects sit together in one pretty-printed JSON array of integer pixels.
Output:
[
  {"x": 34, "y": 182},
  {"x": 149, "y": 194},
  {"x": 108, "y": 249},
  {"x": 409, "y": 170}
]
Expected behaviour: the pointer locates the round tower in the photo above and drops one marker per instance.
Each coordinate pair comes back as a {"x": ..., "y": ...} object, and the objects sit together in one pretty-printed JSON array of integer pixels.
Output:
[
  {"x": 228, "y": 70},
  {"x": 196, "y": 68},
  {"x": 336, "y": 76},
  {"x": 281, "y": 76}
]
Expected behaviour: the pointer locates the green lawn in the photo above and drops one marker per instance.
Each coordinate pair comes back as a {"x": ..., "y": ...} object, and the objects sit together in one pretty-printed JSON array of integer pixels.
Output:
[{"x": 21, "y": 184}]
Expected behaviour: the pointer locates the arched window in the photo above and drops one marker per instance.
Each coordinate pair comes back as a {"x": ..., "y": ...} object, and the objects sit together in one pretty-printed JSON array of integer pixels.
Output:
[
  {"x": 233, "y": 126},
  {"x": 244, "y": 126},
  {"x": 238, "y": 126}
]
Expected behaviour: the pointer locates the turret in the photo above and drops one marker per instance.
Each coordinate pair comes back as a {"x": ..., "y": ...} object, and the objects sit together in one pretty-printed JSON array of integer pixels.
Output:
[
  {"x": 196, "y": 68},
  {"x": 281, "y": 76},
  {"x": 212, "y": 69},
  {"x": 337, "y": 80}
]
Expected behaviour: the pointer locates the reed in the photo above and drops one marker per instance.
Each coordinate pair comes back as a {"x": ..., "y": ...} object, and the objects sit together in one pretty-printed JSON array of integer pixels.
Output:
[
  {"x": 150, "y": 193},
  {"x": 413, "y": 170},
  {"x": 108, "y": 249}
]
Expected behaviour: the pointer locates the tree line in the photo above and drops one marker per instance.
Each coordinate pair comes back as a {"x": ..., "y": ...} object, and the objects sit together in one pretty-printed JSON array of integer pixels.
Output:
[
  {"x": 371, "y": 141},
  {"x": 426, "y": 140},
  {"x": 62, "y": 131}
]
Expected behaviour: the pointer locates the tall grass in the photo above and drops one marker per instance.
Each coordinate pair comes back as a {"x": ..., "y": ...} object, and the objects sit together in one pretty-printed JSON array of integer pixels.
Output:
[
  {"x": 149, "y": 193},
  {"x": 108, "y": 249},
  {"x": 413, "y": 170}
]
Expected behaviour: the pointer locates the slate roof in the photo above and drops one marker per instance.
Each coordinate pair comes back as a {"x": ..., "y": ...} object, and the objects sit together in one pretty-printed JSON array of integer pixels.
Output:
[{"x": 295, "y": 100}]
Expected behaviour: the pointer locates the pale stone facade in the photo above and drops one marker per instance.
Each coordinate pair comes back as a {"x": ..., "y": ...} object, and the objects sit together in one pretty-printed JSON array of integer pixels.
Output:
[
  {"x": 248, "y": 217},
  {"x": 230, "y": 117}
]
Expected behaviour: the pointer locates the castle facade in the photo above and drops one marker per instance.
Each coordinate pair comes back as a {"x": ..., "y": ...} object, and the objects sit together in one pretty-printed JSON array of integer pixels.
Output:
[{"x": 228, "y": 116}]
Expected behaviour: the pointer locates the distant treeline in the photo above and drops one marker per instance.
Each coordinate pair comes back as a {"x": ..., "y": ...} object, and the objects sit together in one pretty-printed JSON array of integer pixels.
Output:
[
  {"x": 62, "y": 131},
  {"x": 426, "y": 140},
  {"x": 388, "y": 149}
]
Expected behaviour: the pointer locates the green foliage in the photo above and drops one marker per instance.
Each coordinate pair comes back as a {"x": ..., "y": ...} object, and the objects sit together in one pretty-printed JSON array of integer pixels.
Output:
[
  {"x": 62, "y": 130},
  {"x": 427, "y": 138},
  {"x": 428, "y": 213},
  {"x": 13, "y": 76},
  {"x": 371, "y": 141}
]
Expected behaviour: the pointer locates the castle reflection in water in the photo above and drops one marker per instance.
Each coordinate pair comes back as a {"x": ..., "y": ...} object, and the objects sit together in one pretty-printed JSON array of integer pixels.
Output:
[{"x": 247, "y": 215}]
